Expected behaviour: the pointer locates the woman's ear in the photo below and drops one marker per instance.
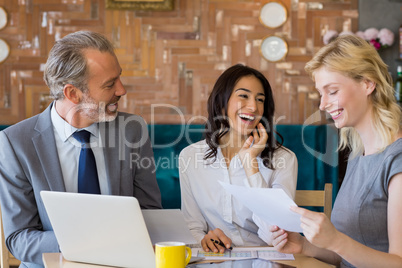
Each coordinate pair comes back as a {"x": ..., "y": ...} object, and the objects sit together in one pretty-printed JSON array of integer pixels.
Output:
[
  {"x": 72, "y": 93},
  {"x": 370, "y": 86}
]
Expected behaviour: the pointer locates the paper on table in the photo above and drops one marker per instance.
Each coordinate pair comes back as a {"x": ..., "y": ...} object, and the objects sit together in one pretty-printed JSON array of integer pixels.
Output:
[
  {"x": 270, "y": 254},
  {"x": 234, "y": 254},
  {"x": 272, "y": 205},
  {"x": 241, "y": 253}
]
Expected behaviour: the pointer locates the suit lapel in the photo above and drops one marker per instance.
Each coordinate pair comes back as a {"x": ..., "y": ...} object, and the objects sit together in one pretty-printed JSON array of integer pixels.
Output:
[{"x": 45, "y": 146}]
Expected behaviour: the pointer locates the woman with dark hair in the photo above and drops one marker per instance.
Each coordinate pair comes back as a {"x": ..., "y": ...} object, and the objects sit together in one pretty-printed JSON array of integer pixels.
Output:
[{"x": 240, "y": 148}]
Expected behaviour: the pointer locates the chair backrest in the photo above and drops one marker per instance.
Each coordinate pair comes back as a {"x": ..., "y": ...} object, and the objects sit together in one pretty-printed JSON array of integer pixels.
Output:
[
  {"x": 6, "y": 258},
  {"x": 316, "y": 198}
]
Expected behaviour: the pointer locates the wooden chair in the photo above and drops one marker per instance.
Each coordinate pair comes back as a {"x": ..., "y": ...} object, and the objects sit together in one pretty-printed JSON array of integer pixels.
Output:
[
  {"x": 6, "y": 259},
  {"x": 316, "y": 198}
]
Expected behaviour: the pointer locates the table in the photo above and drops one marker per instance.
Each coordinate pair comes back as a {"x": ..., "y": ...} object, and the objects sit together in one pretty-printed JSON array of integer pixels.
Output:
[
  {"x": 302, "y": 261},
  {"x": 56, "y": 260}
]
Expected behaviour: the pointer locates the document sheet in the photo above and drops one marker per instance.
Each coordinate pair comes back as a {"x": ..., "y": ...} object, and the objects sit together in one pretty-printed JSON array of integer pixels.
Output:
[
  {"x": 272, "y": 205},
  {"x": 242, "y": 253}
]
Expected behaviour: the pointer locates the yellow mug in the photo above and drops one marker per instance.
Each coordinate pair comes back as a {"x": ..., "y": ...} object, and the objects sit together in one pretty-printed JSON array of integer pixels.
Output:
[{"x": 172, "y": 255}]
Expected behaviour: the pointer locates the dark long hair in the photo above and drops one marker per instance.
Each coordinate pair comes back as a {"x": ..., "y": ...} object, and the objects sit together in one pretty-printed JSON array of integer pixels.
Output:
[{"x": 218, "y": 125}]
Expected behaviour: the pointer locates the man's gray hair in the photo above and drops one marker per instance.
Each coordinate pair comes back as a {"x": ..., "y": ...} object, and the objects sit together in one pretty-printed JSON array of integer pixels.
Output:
[{"x": 67, "y": 63}]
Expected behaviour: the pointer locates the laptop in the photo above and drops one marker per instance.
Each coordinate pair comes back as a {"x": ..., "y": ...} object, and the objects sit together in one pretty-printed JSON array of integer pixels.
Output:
[
  {"x": 100, "y": 229},
  {"x": 167, "y": 225}
]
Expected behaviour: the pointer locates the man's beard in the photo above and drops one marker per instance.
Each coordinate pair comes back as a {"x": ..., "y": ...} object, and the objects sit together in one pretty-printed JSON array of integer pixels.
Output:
[{"x": 96, "y": 112}]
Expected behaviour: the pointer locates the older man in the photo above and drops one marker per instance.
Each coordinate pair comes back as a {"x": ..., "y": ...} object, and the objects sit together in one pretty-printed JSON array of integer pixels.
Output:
[{"x": 48, "y": 151}]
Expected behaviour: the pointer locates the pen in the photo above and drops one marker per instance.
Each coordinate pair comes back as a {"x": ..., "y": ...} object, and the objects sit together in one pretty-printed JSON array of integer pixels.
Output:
[{"x": 220, "y": 243}]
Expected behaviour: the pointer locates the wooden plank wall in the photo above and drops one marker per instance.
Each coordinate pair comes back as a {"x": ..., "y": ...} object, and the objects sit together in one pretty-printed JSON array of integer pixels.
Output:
[{"x": 170, "y": 59}]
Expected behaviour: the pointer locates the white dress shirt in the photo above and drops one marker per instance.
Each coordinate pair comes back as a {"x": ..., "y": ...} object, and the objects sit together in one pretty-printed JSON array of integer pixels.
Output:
[
  {"x": 207, "y": 206},
  {"x": 68, "y": 150}
]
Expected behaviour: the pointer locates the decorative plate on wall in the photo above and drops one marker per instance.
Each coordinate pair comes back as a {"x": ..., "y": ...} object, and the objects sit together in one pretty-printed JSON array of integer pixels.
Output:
[
  {"x": 273, "y": 14},
  {"x": 274, "y": 48},
  {"x": 4, "y": 50},
  {"x": 3, "y": 18}
]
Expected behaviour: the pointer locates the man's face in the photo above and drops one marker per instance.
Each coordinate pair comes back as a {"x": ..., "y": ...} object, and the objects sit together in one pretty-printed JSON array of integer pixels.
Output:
[{"x": 100, "y": 102}]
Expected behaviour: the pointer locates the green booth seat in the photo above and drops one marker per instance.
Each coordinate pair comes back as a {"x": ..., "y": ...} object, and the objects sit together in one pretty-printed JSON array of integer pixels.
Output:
[
  {"x": 167, "y": 143},
  {"x": 314, "y": 145}
]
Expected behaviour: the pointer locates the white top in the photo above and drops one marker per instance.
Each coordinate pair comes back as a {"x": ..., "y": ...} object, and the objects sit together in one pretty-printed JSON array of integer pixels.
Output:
[
  {"x": 68, "y": 150},
  {"x": 207, "y": 206}
]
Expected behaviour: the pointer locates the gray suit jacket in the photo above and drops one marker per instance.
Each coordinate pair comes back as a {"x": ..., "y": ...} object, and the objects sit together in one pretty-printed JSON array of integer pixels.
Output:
[{"x": 29, "y": 163}]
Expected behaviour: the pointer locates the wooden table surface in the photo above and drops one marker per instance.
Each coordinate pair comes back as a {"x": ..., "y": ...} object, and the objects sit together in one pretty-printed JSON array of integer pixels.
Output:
[{"x": 56, "y": 260}]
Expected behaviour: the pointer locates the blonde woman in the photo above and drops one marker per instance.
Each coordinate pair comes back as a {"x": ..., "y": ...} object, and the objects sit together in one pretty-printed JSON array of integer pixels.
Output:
[{"x": 366, "y": 229}]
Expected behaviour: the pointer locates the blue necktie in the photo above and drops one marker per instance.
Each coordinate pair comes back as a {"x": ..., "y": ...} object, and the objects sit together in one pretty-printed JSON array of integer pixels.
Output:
[{"x": 88, "y": 181}]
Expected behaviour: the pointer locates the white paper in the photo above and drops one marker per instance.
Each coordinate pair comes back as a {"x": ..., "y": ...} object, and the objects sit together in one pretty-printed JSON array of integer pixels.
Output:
[
  {"x": 270, "y": 254},
  {"x": 167, "y": 225},
  {"x": 272, "y": 205},
  {"x": 234, "y": 254},
  {"x": 242, "y": 253}
]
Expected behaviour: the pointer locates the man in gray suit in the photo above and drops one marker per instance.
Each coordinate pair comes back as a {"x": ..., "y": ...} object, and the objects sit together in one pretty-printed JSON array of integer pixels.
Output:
[{"x": 40, "y": 153}]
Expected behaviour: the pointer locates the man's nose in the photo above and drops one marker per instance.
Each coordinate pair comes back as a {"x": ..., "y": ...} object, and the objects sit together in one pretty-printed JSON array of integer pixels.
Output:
[{"x": 120, "y": 90}]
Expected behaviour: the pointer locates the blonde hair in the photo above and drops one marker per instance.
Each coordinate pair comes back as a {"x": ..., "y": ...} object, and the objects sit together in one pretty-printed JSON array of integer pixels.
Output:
[{"x": 355, "y": 58}]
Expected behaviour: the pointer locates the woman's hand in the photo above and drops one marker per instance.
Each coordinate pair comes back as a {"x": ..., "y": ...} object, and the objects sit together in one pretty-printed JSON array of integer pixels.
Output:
[
  {"x": 249, "y": 152},
  {"x": 286, "y": 242},
  {"x": 218, "y": 235},
  {"x": 317, "y": 228}
]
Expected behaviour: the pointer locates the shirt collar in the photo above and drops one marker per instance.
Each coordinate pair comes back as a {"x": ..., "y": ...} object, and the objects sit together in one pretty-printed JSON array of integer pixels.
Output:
[{"x": 64, "y": 129}]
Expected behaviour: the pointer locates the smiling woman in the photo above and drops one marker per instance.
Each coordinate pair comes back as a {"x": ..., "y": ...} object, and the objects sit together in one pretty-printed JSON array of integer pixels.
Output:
[
  {"x": 240, "y": 148},
  {"x": 157, "y": 5},
  {"x": 356, "y": 90}
]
